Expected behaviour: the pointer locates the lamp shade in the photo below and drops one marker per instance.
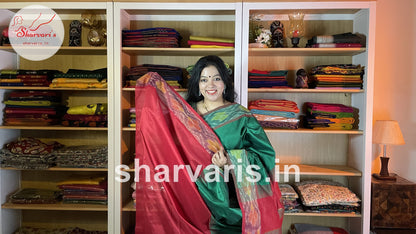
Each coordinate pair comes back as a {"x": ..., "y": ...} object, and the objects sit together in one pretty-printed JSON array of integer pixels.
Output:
[{"x": 387, "y": 132}]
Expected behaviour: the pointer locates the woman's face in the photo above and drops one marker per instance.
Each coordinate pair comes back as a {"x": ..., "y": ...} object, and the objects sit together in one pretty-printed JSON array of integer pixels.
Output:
[{"x": 211, "y": 84}]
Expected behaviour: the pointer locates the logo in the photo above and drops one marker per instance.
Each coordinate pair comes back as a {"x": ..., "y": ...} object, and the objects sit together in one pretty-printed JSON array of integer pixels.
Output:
[{"x": 36, "y": 32}]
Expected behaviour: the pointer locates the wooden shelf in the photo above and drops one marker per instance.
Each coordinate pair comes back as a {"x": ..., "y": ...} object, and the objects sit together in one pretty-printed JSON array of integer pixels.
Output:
[
  {"x": 270, "y": 90},
  {"x": 70, "y": 50},
  {"x": 48, "y": 88},
  {"x": 177, "y": 51},
  {"x": 57, "y": 206},
  {"x": 289, "y": 90},
  {"x": 332, "y": 215},
  {"x": 324, "y": 170},
  {"x": 305, "y": 51},
  {"x": 54, "y": 127},
  {"x": 130, "y": 207},
  {"x": 300, "y": 130},
  {"x": 57, "y": 169},
  {"x": 306, "y": 130}
]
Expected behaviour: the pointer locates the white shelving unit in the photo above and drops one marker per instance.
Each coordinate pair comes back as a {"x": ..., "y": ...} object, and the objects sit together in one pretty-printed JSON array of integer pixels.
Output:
[
  {"x": 92, "y": 217},
  {"x": 199, "y": 19},
  {"x": 343, "y": 156}
]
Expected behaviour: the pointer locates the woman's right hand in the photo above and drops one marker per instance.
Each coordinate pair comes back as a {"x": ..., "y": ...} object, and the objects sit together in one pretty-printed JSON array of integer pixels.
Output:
[{"x": 219, "y": 158}]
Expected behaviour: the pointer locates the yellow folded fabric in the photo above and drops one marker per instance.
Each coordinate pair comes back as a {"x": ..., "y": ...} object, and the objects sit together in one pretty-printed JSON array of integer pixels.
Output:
[
  {"x": 210, "y": 46},
  {"x": 91, "y": 109},
  {"x": 83, "y": 180},
  {"x": 215, "y": 39},
  {"x": 72, "y": 80},
  {"x": 78, "y": 85}
]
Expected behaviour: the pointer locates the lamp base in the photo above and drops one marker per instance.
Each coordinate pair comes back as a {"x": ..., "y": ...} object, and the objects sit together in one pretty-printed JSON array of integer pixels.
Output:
[{"x": 391, "y": 177}]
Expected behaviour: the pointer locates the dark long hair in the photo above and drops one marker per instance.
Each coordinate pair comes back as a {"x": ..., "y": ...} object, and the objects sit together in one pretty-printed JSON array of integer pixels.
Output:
[{"x": 193, "y": 95}]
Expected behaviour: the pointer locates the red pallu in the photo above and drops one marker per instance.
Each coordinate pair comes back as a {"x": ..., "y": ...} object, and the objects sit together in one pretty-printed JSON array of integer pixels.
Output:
[{"x": 162, "y": 138}]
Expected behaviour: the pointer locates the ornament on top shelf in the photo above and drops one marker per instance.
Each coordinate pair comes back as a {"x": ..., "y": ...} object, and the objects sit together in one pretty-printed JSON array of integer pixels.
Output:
[
  {"x": 296, "y": 28},
  {"x": 277, "y": 31},
  {"x": 75, "y": 30},
  {"x": 97, "y": 35}
]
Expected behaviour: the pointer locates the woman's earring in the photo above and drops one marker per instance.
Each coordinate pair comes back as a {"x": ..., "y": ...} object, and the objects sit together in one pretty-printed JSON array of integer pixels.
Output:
[{"x": 199, "y": 93}]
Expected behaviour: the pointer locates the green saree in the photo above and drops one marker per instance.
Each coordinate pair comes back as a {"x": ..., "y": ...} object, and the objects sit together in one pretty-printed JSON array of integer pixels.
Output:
[{"x": 251, "y": 184}]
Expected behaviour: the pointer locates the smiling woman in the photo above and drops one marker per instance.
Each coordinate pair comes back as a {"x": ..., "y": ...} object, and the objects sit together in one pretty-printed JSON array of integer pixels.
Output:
[{"x": 245, "y": 206}]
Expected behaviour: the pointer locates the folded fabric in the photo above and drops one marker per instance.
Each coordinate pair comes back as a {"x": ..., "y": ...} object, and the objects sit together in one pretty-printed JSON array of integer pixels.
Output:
[
  {"x": 274, "y": 105},
  {"x": 210, "y": 46},
  {"x": 69, "y": 230},
  {"x": 212, "y": 39},
  {"x": 274, "y": 113},
  {"x": 329, "y": 107},
  {"x": 151, "y": 37},
  {"x": 90, "y": 109},
  {"x": 83, "y": 180},
  {"x": 28, "y": 145},
  {"x": 322, "y": 192},
  {"x": 194, "y": 42},
  {"x": 29, "y": 103},
  {"x": 305, "y": 228},
  {"x": 348, "y": 37},
  {"x": 82, "y": 85},
  {"x": 35, "y": 196},
  {"x": 336, "y": 45}
]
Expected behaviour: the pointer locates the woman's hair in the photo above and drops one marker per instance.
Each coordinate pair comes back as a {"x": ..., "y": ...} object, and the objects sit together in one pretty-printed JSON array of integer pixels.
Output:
[{"x": 194, "y": 95}]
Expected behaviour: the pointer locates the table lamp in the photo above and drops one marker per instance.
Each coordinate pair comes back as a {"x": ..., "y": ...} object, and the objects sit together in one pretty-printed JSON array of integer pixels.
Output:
[{"x": 386, "y": 132}]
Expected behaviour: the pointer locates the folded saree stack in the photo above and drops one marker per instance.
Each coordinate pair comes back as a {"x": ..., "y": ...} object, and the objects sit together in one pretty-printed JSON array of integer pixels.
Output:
[
  {"x": 305, "y": 228},
  {"x": 80, "y": 79},
  {"x": 63, "y": 230},
  {"x": 171, "y": 74},
  {"x": 32, "y": 108},
  {"x": 321, "y": 196},
  {"x": 80, "y": 190},
  {"x": 345, "y": 76},
  {"x": 82, "y": 156},
  {"x": 341, "y": 40},
  {"x": 290, "y": 198},
  {"x": 19, "y": 77},
  {"x": 151, "y": 37},
  {"x": 210, "y": 42},
  {"x": 267, "y": 79},
  {"x": 91, "y": 115},
  {"x": 132, "y": 118},
  {"x": 35, "y": 196},
  {"x": 275, "y": 113},
  {"x": 322, "y": 116},
  {"x": 29, "y": 153}
]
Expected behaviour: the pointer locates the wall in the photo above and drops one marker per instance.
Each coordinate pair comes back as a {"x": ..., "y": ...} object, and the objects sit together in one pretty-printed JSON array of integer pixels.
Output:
[{"x": 395, "y": 81}]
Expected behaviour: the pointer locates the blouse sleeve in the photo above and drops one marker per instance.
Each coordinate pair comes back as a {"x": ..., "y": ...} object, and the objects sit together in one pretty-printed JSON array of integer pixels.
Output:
[{"x": 259, "y": 149}]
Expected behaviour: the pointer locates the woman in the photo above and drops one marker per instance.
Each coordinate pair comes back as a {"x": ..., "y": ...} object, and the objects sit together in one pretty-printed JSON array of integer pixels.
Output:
[
  {"x": 175, "y": 141},
  {"x": 211, "y": 94}
]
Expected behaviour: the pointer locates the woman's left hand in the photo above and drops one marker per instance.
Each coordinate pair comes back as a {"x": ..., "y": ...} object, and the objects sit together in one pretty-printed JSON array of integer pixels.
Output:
[{"x": 219, "y": 158}]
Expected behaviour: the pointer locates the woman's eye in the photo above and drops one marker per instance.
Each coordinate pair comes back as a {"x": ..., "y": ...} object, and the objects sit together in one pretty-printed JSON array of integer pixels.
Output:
[
  {"x": 203, "y": 80},
  {"x": 218, "y": 79}
]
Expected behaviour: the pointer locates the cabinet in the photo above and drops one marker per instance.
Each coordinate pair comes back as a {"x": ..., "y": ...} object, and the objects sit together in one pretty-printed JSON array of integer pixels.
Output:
[
  {"x": 197, "y": 19},
  {"x": 393, "y": 205},
  {"x": 86, "y": 57},
  {"x": 343, "y": 156}
]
